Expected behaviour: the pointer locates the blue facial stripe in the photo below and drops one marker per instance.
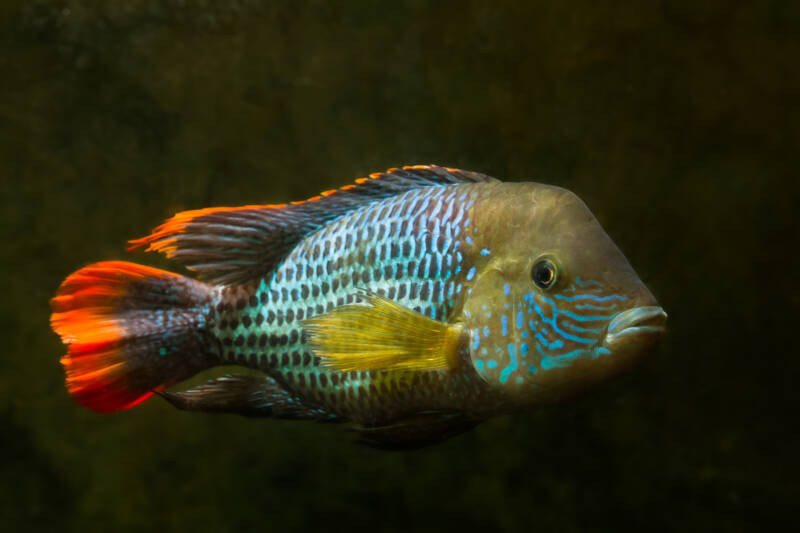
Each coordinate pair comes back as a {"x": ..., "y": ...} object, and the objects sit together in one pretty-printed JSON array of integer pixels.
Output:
[
  {"x": 591, "y": 297},
  {"x": 596, "y": 307},
  {"x": 561, "y": 320},
  {"x": 559, "y": 331},
  {"x": 582, "y": 330},
  {"x": 573, "y": 316},
  {"x": 512, "y": 365},
  {"x": 559, "y": 361}
]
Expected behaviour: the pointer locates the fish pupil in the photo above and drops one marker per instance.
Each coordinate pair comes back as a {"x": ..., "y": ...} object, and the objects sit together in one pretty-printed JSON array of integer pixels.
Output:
[{"x": 544, "y": 274}]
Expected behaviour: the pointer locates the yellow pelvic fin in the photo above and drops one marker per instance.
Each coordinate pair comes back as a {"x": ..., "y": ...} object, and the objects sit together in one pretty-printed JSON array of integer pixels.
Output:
[{"x": 381, "y": 334}]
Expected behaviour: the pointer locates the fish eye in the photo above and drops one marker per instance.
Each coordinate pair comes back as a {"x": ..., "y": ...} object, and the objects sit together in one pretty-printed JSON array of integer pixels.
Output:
[{"x": 544, "y": 273}]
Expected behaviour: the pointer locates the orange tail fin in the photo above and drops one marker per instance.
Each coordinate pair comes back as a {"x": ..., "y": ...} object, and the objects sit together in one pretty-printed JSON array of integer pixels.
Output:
[{"x": 130, "y": 330}]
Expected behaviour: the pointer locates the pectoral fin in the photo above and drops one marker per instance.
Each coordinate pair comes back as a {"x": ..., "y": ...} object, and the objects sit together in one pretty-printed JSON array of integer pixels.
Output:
[{"x": 381, "y": 334}]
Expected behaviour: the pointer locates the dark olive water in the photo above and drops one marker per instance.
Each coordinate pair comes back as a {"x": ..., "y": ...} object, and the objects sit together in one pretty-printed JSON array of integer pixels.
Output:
[{"x": 676, "y": 122}]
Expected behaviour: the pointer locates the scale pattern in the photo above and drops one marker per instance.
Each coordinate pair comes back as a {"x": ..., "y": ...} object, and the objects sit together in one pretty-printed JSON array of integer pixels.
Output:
[{"x": 407, "y": 248}]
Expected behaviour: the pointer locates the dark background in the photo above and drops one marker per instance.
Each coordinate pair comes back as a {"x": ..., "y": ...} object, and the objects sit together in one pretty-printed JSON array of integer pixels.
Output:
[{"x": 676, "y": 122}]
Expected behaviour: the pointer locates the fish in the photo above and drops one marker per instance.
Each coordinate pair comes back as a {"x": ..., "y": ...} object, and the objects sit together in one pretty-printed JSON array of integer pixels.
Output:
[{"x": 411, "y": 305}]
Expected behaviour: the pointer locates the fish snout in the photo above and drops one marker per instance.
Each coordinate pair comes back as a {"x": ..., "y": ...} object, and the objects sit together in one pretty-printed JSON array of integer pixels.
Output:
[{"x": 638, "y": 322}]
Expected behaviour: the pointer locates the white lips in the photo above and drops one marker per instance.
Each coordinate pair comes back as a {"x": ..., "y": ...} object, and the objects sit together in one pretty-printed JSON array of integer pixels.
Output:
[{"x": 636, "y": 321}]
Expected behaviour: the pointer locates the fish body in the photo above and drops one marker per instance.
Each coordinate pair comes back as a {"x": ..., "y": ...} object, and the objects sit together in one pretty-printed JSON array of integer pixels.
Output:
[{"x": 415, "y": 303}]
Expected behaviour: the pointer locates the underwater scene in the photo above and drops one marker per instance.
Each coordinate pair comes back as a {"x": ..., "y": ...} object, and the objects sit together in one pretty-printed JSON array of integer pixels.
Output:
[{"x": 289, "y": 266}]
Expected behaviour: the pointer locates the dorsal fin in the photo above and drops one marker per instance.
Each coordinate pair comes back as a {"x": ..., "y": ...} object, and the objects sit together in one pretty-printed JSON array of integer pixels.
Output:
[{"x": 230, "y": 245}]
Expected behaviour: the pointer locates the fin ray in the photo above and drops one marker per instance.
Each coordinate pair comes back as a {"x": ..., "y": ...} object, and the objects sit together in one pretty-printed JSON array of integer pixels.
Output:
[
  {"x": 119, "y": 320},
  {"x": 246, "y": 395},
  {"x": 381, "y": 334},
  {"x": 416, "y": 431},
  {"x": 232, "y": 245}
]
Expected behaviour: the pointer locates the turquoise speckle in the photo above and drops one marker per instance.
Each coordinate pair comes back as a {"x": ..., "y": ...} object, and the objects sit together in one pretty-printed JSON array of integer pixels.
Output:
[
  {"x": 491, "y": 363},
  {"x": 555, "y": 345},
  {"x": 485, "y": 252},
  {"x": 506, "y": 289},
  {"x": 504, "y": 322},
  {"x": 528, "y": 298},
  {"x": 162, "y": 351},
  {"x": 471, "y": 273}
]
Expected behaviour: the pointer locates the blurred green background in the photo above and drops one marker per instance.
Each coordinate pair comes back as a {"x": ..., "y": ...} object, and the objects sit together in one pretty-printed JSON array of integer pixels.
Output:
[{"x": 676, "y": 122}]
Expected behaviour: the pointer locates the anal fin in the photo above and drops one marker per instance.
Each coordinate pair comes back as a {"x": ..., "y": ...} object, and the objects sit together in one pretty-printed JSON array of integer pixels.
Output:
[{"x": 258, "y": 396}]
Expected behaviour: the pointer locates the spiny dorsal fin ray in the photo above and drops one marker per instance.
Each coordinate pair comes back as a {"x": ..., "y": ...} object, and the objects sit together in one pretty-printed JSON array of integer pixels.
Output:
[
  {"x": 381, "y": 334},
  {"x": 230, "y": 245}
]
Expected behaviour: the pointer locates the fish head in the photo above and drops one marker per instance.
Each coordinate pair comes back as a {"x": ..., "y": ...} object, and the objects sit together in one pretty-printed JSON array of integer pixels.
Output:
[{"x": 553, "y": 305}]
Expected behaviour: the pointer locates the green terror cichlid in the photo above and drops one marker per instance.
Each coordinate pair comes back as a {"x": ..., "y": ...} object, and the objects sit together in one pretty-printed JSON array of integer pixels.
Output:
[{"x": 414, "y": 304}]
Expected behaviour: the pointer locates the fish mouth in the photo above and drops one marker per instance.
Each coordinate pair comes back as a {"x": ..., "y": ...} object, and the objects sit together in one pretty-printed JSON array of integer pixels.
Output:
[{"x": 647, "y": 320}]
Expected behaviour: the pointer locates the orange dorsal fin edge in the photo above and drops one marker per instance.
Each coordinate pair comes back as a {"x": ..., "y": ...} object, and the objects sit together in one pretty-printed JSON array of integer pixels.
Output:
[{"x": 234, "y": 245}]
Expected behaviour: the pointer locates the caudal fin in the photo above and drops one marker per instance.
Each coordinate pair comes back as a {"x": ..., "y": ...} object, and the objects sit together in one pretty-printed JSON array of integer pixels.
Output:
[{"x": 130, "y": 330}]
